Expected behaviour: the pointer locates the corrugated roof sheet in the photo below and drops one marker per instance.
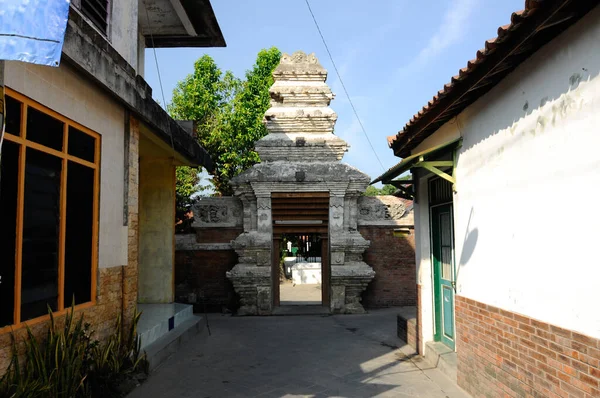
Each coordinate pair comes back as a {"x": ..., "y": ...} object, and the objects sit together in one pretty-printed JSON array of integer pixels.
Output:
[{"x": 538, "y": 23}]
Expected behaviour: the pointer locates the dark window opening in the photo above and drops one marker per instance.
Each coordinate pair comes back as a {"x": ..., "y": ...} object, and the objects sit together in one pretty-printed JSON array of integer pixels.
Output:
[
  {"x": 81, "y": 144},
  {"x": 9, "y": 183},
  {"x": 44, "y": 129},
  {"x": 41, "y": 225},
  {"x": 97, "y": 12},
  {"x": 48, "y": 197},
  {"x": 79, "y": 239},
  {"x": 440, "y": 191},
  {"x": 13, "y": 116}
]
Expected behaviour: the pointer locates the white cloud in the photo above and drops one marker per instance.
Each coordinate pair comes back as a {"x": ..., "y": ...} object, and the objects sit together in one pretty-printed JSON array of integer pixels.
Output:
[
  {"x": 450, "y": 32},
  {"x": 351, "y": 132}
]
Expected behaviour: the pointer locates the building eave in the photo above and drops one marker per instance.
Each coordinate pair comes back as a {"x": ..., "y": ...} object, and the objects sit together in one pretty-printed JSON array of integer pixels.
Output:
[
  {"x": 531, "y": 28},
  {"x": 93, "y": 56},
  {"x": 199, "y": 27}
]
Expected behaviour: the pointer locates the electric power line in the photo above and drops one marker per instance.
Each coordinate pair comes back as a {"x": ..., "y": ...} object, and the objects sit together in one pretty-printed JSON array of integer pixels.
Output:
[
  {"x": 156, "y": 59},
  {"x": 343, "y": 85},
  {"x": 162, "y": 91}
]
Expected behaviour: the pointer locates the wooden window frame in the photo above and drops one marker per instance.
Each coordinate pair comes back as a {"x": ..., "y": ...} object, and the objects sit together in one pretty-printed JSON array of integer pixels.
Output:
[{"x": 23, "y": 143}]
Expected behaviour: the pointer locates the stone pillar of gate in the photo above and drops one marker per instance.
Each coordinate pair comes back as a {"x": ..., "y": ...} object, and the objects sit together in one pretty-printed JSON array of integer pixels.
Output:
[{"x": 300, "y": 154}]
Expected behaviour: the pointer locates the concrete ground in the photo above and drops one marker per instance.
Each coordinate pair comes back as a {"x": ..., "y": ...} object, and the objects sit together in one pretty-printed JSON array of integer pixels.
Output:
[
  {"x": 298, "y": 356},
  {"x": 303, "y": 294}
]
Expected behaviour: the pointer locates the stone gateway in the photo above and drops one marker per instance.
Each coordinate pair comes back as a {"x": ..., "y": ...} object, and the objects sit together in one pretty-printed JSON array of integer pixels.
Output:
[{"x": 301, "y": 163}]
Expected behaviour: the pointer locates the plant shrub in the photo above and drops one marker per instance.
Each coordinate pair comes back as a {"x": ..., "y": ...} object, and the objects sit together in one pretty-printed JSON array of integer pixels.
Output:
[{"x": 68, "y": 363}]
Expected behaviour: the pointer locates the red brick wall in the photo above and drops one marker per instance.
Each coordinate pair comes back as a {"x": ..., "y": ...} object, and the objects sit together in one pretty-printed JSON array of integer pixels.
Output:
[
  {"x": 501, "y": 353},
  {"x": 393, "y": 259},
  {"x": 201, "y": 273},
  {"x": 407, "y": 330},
  {"x": 217, "y": 235}
]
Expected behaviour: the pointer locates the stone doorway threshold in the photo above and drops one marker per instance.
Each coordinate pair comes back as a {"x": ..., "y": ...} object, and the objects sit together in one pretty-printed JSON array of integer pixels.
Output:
[
  {"x": 301, "y": 310},
  {"x": 437, "y": 355}
]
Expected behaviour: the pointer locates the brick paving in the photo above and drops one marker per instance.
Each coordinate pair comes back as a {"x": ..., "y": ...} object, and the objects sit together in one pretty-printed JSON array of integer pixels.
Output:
[{"x": 297, "y": 356}]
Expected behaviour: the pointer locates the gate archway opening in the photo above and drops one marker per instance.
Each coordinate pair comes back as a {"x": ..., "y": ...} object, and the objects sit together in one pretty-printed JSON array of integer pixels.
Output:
[
  {"x": 300, "y": 248},
  {"x": 300, "y": 269}
]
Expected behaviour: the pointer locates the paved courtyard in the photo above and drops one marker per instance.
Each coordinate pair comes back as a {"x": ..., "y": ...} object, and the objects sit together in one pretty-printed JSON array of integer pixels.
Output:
[
  {"x": 297, "y": 356},
  {"x": 302, "y": 294}
]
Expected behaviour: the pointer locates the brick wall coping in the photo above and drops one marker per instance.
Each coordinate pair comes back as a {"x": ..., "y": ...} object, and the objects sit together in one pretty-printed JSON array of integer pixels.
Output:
[
  {"x": 406, "y": 221},
  {"x": 188, "y": 242}
]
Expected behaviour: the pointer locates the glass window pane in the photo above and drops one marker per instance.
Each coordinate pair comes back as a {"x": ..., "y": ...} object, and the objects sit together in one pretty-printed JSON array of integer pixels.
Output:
[
  {"x": 446, "y": 245},
  {"x": 9, "y": 182},
  {"x": 81, "y": 144},
  {"x": 13, "y": 116},
  {"x": 41, "y": 223},
  {"x": 44, "y": 129},
  {"x": 447, "y": 263},
  {"x": 446, "y": 229},
  {"x": 78, "y": 244}
]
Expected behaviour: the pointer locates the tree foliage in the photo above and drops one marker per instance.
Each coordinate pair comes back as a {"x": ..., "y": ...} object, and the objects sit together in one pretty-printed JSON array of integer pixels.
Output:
[
  {"x": 385, "y": 190},
  {"x": 187, "y": 184},
  {"x": 228, "y": 113}
]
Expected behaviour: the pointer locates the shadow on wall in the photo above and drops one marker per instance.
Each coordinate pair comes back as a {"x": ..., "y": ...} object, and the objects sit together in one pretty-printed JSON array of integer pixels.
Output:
[
  {"x": 469, "y": 243},
  {"x": 525, "y": 134},
  {"x": 526, "y": 117}
]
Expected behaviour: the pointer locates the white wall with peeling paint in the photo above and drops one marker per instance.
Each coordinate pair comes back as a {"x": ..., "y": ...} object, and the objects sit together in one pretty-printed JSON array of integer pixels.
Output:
[{"x": 527, "y": 224}]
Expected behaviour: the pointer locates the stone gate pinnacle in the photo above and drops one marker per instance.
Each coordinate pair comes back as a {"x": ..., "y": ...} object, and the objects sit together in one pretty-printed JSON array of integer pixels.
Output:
[{"x": 300, "y": 121}]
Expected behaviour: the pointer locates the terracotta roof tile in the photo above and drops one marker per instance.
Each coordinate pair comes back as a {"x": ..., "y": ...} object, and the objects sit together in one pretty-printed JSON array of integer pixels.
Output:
[
  {"x": 390, "y": 139},
  {"x": 518, "y": 19}
]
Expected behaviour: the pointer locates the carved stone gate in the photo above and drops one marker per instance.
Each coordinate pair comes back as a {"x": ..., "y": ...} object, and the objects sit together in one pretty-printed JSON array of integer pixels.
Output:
[{"x": 300, "y": 155}]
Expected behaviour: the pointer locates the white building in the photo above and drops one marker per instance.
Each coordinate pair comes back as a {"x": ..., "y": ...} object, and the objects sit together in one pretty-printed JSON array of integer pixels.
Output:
[
  {"x": 88, "y": 169},
  {"x": 506, "y": 172}
]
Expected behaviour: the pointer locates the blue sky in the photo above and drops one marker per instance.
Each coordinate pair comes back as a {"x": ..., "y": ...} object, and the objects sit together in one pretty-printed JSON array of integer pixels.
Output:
[{"x": 392, "y": 55}]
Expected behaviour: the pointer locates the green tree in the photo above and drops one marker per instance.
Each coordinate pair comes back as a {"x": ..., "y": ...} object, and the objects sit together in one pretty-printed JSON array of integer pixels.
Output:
[
  {"x": 205, "y": 96},
  {"x": 187, "y": 184},
  {"x": 385, "y": 190},
  {"x": 228, "y": 112},
  {"x": 250, "y": 105}
]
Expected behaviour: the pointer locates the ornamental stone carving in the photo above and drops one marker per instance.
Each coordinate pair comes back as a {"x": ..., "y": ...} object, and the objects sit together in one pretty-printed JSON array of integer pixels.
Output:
[
  {"x": 300, "y": 154},
  {"x": 217, "y": 212},
  {"x": 384, "y": 210}
]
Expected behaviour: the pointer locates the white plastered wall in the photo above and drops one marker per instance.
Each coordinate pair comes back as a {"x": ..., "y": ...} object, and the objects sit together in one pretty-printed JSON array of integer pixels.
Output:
[
  {"x": 528, "y": 185},
  {"x": 423, "y": 262},
  {"x": 65, "y": 91}
]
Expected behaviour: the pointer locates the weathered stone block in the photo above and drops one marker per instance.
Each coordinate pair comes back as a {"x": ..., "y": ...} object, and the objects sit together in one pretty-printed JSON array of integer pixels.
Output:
[
  {"x": 263, "y": 300},
  {"x": 338, "y": 298},
  {"x": 217, "y": 212}
]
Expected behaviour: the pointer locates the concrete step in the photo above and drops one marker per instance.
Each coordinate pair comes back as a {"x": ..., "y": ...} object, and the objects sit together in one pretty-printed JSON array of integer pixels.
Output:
[
  {"x": 159, "y": 319},
  {"x": 161, "y": 349},
  {"x": 437, "y": 355}
]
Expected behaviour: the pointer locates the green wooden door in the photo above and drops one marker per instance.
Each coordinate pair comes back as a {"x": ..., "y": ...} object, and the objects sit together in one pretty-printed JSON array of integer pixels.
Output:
[{"x": 442, "y": 239}]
